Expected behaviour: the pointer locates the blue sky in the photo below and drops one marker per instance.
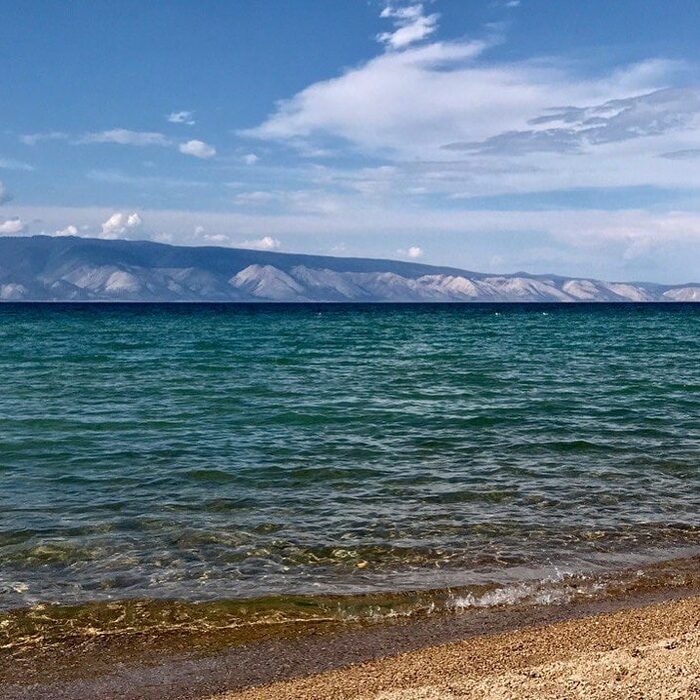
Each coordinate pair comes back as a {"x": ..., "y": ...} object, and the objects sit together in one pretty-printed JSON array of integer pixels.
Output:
[{"x": 493, "y": 135}]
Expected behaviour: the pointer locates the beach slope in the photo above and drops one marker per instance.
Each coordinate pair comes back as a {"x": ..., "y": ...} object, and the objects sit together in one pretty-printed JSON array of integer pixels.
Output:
[{"x": 649, "y": 652}]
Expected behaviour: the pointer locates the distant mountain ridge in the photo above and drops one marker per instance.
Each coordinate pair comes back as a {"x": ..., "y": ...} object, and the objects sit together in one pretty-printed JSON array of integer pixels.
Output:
[{"x": 45, "y": 268}]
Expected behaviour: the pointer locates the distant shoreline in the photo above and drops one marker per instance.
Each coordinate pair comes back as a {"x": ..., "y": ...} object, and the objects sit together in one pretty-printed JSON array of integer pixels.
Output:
[
  {"x": 347, "y": 304},
  {"x": 92, "y": 269}
]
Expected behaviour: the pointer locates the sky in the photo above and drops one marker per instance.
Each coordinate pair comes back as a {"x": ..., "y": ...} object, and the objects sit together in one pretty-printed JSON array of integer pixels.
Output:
[{"x": 492, "y": 135}]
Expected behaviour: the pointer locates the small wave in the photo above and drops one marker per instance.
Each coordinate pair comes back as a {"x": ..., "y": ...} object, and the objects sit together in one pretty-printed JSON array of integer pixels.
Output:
[
  {"x": 558, "y": 589},
  {"x": 24, "y": 630}
]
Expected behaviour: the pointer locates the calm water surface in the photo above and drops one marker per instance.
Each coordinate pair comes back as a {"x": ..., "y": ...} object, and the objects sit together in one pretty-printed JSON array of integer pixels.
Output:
[{"x": 234, "y": 452}]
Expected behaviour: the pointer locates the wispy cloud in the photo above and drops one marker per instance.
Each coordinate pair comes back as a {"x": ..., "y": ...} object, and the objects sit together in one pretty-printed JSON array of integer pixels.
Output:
[
  {"x": 33, "y": 139},
  {"x": 414, "y": 101},
  {"x": 257, "y": 197},
  {"x": 158, "y": 181},
  {"x": 454, "y": 122},
  {"x": 684, "y": 154},
  {"x": 126, "y": 137},
  {"x": 313, "y": 202},
  {"x": 122, "y": 137},
  {"x": 576, "y": 128},
  {"x": 13, "y": 164},
  {"x": 407, "y": 99},
  {"x": 411, "y": 25},
  {"x": 4, "y": 194}
]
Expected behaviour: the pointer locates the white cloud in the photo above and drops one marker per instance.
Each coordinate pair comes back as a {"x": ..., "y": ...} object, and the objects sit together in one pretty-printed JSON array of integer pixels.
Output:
[
  {"x": 456, "y": 126},
  {"x": 413, "y": 251},
  {"x": 120, "y": 225},
  {"x": 410, "y": 25},
  {"x": 216, "y": 238},
  {"x": 126, "y": 137},
  {"x": 12, "y": 227},
  {"x": 4, "y": 194},
  {"x": 183, "y": 117},
  {"x": 250, "y": 159},
  {"x": 415, "y": 101},
  {"x": 198, "y": 149},
  {"x": 575, "y": 129},
  {"x": 628, "y": 126},
  {"x": 69, "y": 230},
  {"x": 264, "y": 243}
]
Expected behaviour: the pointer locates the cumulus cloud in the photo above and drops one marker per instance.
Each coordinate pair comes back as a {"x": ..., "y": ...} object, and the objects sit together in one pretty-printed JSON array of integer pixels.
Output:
[
  {"x": 218, "y": 238},
  {"x": 121, "y": 225},
  {"x": 198, "y": 149},
  {"x": 410, "y": 25},
  {"x": 126, "y": 137},
  {"x": 413, "y": 251},
  {"x": 250, "y": 159},
  {"x": 264, "y": 243},
  {"x": 12, "y": 227},
  {"x": 183, "y": 117},
  {"x": 70, "y": 230}
]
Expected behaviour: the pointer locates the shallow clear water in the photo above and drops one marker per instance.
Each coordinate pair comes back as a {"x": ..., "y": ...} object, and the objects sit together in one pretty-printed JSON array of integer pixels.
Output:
[{"x": 204, "y": 452}]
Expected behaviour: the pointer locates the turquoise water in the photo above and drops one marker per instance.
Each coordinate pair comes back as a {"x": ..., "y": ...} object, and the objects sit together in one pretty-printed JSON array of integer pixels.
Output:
[{"x": 204, "y": 452}]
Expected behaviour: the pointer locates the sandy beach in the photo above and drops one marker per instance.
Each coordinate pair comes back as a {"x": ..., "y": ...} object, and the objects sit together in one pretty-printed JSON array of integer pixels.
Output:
[{"x": 648, "y": 652}]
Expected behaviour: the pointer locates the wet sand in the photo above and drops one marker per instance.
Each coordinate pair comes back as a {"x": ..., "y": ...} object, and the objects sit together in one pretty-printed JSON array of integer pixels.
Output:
[
  {"x": 528, "y": 652},
  {"x": 648, "y": 652}
]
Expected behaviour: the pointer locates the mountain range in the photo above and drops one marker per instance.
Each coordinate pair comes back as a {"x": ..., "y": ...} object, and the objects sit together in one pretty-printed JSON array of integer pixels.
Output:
[{"x": 45, "y": 268}]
